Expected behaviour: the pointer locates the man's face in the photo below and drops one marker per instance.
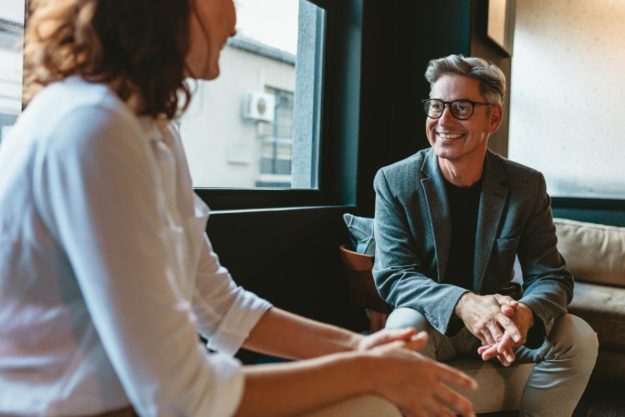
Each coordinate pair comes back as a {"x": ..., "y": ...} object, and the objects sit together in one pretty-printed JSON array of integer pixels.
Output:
[{"x": 461, "y": 140}]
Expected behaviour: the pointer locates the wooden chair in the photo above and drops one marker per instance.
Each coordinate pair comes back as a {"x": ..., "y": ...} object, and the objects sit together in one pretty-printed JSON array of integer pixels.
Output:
[{"x": 362, "y": 289}]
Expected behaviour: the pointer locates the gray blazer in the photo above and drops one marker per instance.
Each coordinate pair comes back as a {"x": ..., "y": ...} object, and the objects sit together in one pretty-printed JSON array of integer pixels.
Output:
[{"x": 412, "y": 231}]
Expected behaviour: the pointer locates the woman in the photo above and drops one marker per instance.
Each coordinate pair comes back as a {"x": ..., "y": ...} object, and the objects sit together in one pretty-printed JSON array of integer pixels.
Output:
[{"x": 106, "y": 274}]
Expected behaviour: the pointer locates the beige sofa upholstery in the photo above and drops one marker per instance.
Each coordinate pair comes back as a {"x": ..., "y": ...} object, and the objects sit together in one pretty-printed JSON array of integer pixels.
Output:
[{"x": 595, "y": 254}]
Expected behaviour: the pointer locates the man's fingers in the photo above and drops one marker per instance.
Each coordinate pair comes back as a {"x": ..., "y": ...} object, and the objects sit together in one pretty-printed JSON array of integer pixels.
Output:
[
  {"x": 484, "y": 348},
  {"x": 486, "y": 337},
  {"x": 509, "y": 325},
  {"x": 506, "y": 300},
  {"x": 508, "y": 310},
  {"x": 505, "y": 343},
  {"x": 488, "y": 353},
  {"x": 495, "y": 330},
  {"x": 505, "y": 348},
  {"x": 502, "y": 351},
  {"x": 504, "y": 360},
  {"x": 491, "y": 353}
]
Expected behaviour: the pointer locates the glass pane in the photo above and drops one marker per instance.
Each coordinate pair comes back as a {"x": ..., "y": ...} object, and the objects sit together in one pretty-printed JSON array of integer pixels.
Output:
[
  {"x": 11, "y": 31},
  {"x": 256, "y": 125}
]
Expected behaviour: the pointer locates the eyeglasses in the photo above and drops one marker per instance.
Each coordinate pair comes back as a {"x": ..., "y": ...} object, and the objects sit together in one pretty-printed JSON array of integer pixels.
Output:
[{"x": 461, "y": 109}]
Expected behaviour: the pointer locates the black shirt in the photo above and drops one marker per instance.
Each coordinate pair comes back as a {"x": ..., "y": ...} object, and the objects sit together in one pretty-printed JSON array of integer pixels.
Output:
[{"x": 463, "y": 205}]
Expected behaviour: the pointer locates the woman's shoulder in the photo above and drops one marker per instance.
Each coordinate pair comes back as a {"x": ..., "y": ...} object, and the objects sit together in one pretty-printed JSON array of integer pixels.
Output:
[
  {"x": 81, "y": 110},
  {"x": 62, "y": 98}
]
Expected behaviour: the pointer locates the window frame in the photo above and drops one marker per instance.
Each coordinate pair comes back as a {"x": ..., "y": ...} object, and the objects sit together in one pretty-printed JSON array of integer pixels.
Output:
[
  {"x": 337, "y": 120},
  {"x": 17, "y": 30}
]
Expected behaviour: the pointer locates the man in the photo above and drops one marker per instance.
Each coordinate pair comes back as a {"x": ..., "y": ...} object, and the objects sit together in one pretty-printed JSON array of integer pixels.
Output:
[{"x": 450, "y": 221}]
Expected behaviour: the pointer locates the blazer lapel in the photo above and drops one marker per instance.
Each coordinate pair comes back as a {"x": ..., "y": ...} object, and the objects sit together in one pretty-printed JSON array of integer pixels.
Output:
[
  {"x": 492, "y": 202},
  {"x": 438, "y": 209}
]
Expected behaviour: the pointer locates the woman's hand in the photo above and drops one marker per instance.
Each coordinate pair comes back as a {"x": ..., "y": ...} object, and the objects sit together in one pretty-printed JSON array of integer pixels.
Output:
[
  {"x": 417, "y": 385},
  {"x": 409, "y": 335}
]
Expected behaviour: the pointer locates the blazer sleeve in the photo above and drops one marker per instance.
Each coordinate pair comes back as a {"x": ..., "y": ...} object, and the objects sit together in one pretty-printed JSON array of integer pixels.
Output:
[
  {"x": 399, "y": 272},
  {"x": 547, "y": 285}
]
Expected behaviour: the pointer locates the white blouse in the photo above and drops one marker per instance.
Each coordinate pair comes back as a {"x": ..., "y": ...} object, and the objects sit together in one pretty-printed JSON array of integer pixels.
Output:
[{"x": 106, "y": 274}]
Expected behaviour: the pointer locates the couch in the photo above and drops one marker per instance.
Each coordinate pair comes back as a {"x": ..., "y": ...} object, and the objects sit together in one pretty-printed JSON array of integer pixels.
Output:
[{"x": 595, "y": 254}]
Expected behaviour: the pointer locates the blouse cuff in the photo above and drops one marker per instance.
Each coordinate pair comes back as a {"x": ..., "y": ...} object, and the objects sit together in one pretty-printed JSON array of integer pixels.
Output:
[{"x": 236, "y": 325}]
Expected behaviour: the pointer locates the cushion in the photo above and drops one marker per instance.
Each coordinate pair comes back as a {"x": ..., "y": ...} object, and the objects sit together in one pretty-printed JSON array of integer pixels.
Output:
[
  {"x": 360, "y": 233},
  {"x": 603, "y": 308},
  {"x": 593, "y": 252}
]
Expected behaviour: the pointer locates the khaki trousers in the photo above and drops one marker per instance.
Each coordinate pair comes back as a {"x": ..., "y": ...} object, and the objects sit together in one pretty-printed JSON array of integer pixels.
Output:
[{"x": 363, "y": 406}]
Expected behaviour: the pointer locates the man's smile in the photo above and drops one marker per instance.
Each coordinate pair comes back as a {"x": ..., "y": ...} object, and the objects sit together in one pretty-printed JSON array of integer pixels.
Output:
[{"x": 449, "y": 136}]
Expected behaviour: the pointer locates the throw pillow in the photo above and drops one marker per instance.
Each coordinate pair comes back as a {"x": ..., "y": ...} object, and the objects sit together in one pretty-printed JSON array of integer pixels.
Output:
[
  {"x": 593, "y": 252},
  {"x": 360, "y": 233}
]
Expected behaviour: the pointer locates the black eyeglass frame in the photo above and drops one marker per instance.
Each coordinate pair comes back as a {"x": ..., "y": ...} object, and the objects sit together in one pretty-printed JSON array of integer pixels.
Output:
[{"x": 449, "y": 104}]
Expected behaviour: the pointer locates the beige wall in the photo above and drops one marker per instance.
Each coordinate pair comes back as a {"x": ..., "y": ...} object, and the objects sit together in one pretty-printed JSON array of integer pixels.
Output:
[{"x": 568, "y": 95}]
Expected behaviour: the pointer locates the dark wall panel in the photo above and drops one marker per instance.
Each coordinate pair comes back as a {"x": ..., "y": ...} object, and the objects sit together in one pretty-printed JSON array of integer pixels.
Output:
[
  {"x": 483, "y": 47},
  {"x": 599, "y": 211},
  {"x": 399, "y": 38},
  {"x": 289, "y": 257}
]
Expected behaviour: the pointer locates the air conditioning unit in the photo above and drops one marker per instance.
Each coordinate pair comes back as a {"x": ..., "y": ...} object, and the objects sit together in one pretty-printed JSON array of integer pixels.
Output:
[{"x": 259, "y": 106}]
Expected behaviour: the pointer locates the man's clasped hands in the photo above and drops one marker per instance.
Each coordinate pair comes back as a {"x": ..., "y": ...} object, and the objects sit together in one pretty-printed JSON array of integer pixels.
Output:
[{"x": 499, "y": 321}]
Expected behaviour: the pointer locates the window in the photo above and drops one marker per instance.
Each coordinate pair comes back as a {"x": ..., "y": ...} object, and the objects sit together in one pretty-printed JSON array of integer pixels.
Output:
[
  {"x": 11, "y": 31},
  {"x": 276, "y": 142},
  {"x": 257, "y": 125}
]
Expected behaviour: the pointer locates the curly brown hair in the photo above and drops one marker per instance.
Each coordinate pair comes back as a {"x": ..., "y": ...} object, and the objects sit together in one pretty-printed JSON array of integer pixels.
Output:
[{"x": 138, "y": 47}]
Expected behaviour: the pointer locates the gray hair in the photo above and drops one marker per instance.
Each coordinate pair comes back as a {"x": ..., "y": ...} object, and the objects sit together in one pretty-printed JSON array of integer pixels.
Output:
[{"x": 492, "y": 80}]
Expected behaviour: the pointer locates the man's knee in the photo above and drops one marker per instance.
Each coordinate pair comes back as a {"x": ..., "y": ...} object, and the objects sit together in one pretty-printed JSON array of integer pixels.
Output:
[
  {"x": 404, "y": 317},
  {"x": 573, "y": 337}
]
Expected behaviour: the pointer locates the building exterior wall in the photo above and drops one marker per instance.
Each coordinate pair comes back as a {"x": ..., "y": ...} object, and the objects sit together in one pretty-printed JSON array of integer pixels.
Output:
[
  {"x": 222, "y": 147},
  {"x": 11, "y": 63}
]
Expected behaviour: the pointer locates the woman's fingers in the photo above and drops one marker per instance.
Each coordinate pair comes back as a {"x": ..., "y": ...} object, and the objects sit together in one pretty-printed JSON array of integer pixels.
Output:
[
  {"x": 417, "y": 341},
  {"x": 451, "y": 400},
  {"x": 451, "y": 376},
  {"x": 385, "y": 336}
]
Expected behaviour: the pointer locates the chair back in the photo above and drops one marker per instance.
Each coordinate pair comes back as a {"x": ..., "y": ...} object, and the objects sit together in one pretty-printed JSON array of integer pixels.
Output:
[{"x": 362, "y": 289}]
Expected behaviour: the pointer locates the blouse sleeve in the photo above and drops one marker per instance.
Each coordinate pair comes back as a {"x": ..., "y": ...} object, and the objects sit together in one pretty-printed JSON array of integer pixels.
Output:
[
  {"x": 226, "y": 312},
  {"x": 97, "y": 193}
]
